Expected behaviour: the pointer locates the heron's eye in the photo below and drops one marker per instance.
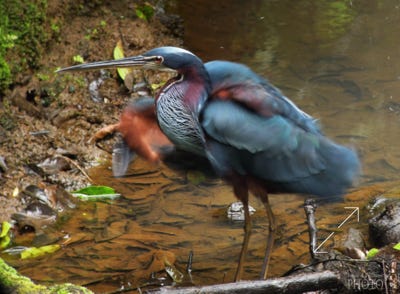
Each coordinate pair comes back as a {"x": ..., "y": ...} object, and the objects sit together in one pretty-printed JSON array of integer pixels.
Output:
[{"x": 159, "y": 59}]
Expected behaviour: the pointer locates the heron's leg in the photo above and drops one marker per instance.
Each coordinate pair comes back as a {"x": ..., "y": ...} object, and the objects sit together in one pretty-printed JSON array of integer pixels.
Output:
[
  {"x": 246, "y": 238},
  {"x": 271, "y": 236},
  {"x": 241, "y": 192}
]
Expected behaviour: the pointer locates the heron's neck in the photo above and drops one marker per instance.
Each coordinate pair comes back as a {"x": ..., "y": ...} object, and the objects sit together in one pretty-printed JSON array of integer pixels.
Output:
[
  {"x": 178, "y": 107},
  {"x": 198, "y": 89},
  {"x": 194, "y": 85}
]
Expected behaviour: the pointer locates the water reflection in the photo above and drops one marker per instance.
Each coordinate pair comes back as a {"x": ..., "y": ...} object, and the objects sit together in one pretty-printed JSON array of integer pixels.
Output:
[{"x": 339, "y": 60}]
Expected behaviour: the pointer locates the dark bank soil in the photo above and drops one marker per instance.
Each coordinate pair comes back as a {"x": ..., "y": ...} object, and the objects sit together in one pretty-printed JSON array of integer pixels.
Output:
[{"x": 46, "y": 119}]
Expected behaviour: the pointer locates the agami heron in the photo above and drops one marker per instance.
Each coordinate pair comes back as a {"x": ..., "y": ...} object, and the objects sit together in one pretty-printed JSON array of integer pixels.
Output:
[{"x": 255, "y": 138}]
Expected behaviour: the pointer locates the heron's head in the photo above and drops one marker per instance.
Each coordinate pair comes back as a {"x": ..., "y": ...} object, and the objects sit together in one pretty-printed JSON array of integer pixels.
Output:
[{"x": 162, "y": 58}]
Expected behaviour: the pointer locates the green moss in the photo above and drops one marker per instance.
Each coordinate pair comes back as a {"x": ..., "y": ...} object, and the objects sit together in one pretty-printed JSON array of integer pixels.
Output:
[
  {"x": 10, "y": 279},
  {"x": 26, "y": 21},
  {"x": 5, "y": 74},
  {"x": 24, "y": 34},
  {"x": 13, "y": 282},
  {"x": 6, "y": 41}
]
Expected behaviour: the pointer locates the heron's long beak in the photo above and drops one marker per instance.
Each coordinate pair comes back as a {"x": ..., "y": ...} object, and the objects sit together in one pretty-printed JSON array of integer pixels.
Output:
[{"x": 140, "y": 61}]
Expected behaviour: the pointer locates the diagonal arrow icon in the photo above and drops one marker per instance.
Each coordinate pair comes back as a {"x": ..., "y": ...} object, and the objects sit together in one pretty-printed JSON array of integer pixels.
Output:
[{"x": 356, "y": 210}]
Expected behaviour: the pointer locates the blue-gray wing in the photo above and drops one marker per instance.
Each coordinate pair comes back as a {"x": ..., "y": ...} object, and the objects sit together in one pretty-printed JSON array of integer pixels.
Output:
[
  {"x": 276, "y": 150},
  {"x": 236, "y": 82}
]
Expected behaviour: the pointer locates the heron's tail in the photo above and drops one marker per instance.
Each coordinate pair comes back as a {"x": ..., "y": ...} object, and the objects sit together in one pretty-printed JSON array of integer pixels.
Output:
[{"x": 342, "y": 171}]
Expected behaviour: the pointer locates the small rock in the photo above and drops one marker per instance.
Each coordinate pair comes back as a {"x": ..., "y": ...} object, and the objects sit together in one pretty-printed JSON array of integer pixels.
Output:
[
  {"x": 65, "y": 115},
  {"x": 385, "y": 227},
  {"x": 353, "y": 245},
  {"x": 42, "y": 206},
  {"x": 54, "y": 164},
  {"x": 235, "y": 211}
]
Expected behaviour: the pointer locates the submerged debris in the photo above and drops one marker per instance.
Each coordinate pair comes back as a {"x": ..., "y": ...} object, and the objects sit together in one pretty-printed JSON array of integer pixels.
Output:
[{"x": 42, "y": 206}]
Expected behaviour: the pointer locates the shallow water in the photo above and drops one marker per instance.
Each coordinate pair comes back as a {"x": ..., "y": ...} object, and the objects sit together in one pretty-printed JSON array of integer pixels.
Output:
[{"x": 338, "y": 60}]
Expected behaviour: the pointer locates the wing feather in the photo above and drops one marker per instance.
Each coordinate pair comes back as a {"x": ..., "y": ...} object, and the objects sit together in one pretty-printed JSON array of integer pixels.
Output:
[
  {"x": 272, "y": 148},
  {"x": 236, "y": 82}
]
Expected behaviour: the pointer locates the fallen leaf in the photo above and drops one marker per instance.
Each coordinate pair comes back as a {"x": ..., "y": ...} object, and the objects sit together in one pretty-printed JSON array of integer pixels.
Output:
[
  {"x": 118, "y": 54},
  {"x": 96, "y": 193},
  {"x": 34, "y": 252},
  {"x": 372, "y": 252}
]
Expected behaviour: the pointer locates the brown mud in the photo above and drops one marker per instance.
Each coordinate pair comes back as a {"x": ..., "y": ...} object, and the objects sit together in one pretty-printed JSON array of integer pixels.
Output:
[{"x": 48, "y": 116}]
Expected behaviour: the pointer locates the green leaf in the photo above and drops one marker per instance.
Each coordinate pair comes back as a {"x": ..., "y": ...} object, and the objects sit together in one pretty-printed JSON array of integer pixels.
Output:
[
  {"x": 4, "y": 242},
  {"x": 372, "y": 252},
  {"x": 155, "y": 87},
  {"x": 140, "y": 14},
  {"x": 78, "y": 59},
  {"x": 96, "y": 193},
  {"x": 397, "y": 246},
  {"x": 118, "y": 54},
  {"x": 96, "y": 197},
  {"x": 5, "y": 228},
  {"x": 5, "y": 239},
  {"x": 95, "y": 190},
  {"x": 145, "y": 11},
  {"x": 33, "y": 252}
]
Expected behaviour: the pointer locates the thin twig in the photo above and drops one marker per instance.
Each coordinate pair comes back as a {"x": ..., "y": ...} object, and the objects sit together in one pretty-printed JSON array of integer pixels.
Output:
[
  {"x": 309, "y": 207},
  {"x": 189, "y": 265},
  {"x": 77, "y": 166}
]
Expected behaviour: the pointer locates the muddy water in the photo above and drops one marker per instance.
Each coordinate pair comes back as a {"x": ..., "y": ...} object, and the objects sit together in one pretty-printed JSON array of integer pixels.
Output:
[{"x": 338, "y": 60}]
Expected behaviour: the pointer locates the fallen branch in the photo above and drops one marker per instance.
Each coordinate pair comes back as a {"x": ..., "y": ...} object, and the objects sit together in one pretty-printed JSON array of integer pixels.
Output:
[{"x": 291, "y": 284}]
